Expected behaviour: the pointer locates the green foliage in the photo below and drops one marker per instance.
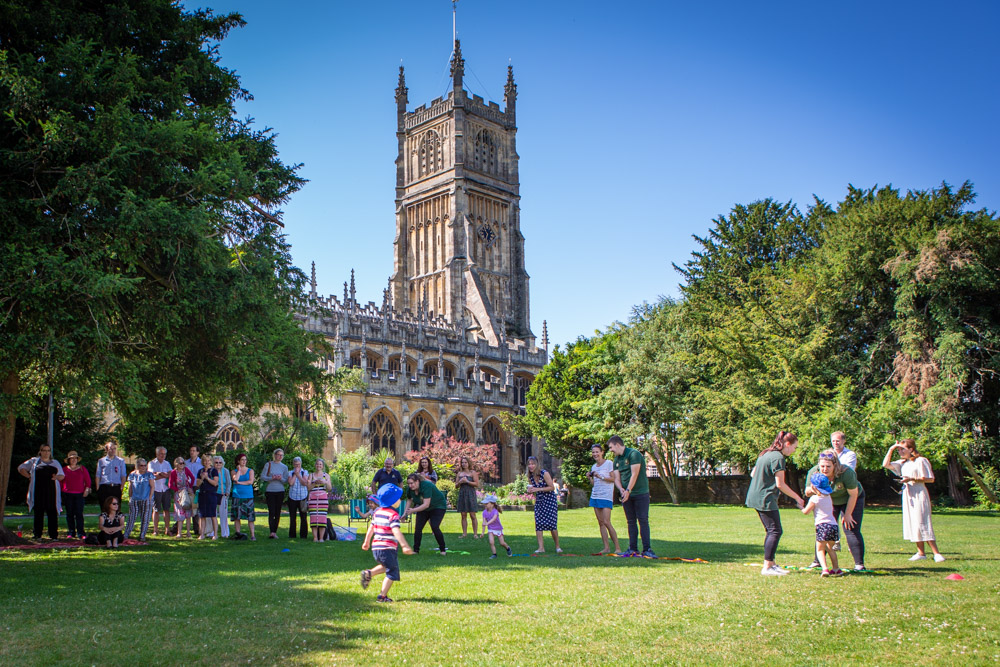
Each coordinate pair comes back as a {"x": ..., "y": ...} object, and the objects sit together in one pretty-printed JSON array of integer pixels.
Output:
[
  {"x": 991, "y": 477},
  {"x": 177, "y": 432},
  {"x": 448, "y": 488},
  {"x": 76, "y": 427},
  {"x": 150, "y": 269},
  {"x": 352, "y": 473}
]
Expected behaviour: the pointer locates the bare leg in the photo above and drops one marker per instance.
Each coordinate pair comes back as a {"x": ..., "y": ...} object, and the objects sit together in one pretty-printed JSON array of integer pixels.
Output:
[
  {"x": 252, "y": 536},
  {"x": 933, "y": 544},
  {"x": 834, "y": 565},
  {"x": 541, "y": 543},
  {"x": 604, "y": 531},
  {"x": 493, "y": 548},
  {"x": 611, "y": 529},
  {"x": 920, "y": 548},
  {"x": 475, "y": 526},
  {"x": 465, "y": 524},
  {"x": 386, "y": 585},
  {"x": 555, "y": 537}
]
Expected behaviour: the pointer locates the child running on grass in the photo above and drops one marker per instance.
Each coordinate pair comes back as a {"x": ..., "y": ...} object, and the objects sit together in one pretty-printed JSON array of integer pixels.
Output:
[
  {"x": 492, "y": 525},
  {"x": 826, "y": 524},
  {"x": 383, "y": 536}
]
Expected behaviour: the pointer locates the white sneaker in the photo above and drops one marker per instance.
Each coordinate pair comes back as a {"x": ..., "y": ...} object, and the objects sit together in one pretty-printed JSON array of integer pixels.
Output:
[
  {"x": 918, "y": 557},
  {"x": 938, "y": 558},
  {"x": 773, "y": 571}
]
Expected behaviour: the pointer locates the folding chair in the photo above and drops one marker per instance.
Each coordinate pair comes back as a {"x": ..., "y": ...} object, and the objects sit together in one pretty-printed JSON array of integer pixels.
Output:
[{"x": 358, "y": 509}]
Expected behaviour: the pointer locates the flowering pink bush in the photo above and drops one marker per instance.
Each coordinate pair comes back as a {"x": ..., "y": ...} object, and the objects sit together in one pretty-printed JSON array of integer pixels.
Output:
[{"x": 441, "y": 448}]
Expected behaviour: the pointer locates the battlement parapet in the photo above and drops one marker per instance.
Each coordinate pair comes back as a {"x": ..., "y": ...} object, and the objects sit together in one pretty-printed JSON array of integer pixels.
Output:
[{"x": 423, "y": 113}]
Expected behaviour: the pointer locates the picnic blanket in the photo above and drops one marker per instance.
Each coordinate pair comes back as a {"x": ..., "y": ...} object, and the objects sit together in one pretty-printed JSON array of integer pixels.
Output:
[{"x": 70, "y": 544}]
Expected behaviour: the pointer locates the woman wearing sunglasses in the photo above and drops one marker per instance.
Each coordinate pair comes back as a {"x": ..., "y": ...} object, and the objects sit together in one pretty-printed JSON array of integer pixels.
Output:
[{"x": 110, "y": 524}]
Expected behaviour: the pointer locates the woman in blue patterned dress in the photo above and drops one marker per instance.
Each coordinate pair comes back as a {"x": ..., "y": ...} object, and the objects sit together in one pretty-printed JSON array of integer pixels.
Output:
[{"x": 546, "y": 504}]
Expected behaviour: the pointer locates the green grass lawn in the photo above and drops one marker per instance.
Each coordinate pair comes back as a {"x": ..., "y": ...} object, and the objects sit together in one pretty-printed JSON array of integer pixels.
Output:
[{"x": 224, "y": 603}]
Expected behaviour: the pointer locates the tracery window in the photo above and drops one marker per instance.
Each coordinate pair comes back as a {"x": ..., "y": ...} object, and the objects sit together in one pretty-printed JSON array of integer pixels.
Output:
[
  {"x": 492, "y": 435},
  {"x": 458, "y": 428},
  {"x": 420, "y": 431},
  {"x": 382, "y": 431},
  {"x": 229, "y": 439}
]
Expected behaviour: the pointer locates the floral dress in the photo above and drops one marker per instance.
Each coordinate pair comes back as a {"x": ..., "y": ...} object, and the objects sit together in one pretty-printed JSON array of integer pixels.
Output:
[{"x": 546, "y": 504}]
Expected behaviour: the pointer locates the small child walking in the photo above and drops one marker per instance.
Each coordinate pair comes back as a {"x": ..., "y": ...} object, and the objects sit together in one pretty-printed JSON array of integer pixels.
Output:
[
  {"x": 492, "y": 525},
  {"x": 827, "y": 533},
  {"x": 383, "y": 535}
]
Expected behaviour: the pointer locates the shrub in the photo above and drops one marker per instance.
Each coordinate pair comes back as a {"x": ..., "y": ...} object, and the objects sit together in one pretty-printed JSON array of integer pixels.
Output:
[
  {"x": 444, "y": 450},
  {"x": 450, "y": 491},
  {"x": 352, "y": 473}
]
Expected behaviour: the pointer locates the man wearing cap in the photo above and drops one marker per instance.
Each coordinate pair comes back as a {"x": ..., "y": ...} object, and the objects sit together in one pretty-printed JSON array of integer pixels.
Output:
[
  {"x": 110, "y": 474},
  {"x": 387, "y": 475}
]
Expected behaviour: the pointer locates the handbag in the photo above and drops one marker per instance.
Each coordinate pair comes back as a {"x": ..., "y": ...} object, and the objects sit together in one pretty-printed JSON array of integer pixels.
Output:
[{"x": 184, "y": 499}]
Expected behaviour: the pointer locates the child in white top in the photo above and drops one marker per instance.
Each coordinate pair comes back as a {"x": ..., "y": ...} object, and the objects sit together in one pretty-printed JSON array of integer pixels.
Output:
[
  {"x": 827, "y": 534},
  {"x": 492, "y": 525}
]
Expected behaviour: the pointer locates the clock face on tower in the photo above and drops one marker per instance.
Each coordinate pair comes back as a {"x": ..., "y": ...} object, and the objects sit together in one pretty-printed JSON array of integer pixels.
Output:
[{"x": 488, "y": 236}]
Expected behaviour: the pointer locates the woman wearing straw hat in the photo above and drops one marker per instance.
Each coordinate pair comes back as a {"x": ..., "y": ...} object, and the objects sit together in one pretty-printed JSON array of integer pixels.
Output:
[{"x": 75, "y": 488}]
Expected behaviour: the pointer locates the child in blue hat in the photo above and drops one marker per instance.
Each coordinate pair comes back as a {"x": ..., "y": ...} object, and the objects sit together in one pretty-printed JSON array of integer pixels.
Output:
[
  {"x": 827, "y": 534},
  {"x": 383, "y": 536}
]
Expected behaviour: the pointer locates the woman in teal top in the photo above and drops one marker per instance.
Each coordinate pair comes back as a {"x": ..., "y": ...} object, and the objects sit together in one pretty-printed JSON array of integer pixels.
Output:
[
  {"x": 429, "y": 504},
  {"x": 242, "y": 506},
  {"x": 766, "y": 479}
]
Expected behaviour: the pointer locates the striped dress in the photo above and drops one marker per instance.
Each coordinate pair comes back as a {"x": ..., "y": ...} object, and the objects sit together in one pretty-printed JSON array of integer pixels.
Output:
[{"x": 318, "y": 502}]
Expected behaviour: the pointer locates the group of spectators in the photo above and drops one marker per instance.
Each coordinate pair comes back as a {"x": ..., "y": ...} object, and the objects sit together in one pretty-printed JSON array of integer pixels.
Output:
[
  {"x": 835, "y": 495},
  {"x": 198, "y": 493}
]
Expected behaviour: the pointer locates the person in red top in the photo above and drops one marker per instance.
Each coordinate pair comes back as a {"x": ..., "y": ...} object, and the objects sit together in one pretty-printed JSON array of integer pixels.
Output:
[
  {"x": 75, "y": 487},
  {"x": 383, "y": 535}
]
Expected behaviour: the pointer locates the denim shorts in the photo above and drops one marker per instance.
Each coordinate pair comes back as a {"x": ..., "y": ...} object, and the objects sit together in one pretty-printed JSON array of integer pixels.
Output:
[
  {"x": 388, "y": 559},
  {"x": 827, "y": 532},
  {"x": 601, "y": 504}
]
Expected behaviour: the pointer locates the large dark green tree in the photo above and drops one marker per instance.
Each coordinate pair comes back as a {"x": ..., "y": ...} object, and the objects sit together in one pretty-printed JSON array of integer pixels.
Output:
[{"x": 141, "y": 261}]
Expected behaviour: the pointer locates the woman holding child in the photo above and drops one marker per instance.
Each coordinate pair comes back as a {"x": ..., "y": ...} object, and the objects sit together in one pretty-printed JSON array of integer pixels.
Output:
[
  {"x": 766, "y": 479},
  {"x": 848, "y": 498}
]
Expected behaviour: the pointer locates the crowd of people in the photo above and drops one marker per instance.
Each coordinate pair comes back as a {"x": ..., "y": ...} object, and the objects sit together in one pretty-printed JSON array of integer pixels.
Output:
[{"x": 200, "y": 495}]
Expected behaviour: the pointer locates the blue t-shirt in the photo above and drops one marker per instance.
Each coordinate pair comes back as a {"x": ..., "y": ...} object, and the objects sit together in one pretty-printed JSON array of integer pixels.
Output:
[
  {"x": 205, "y": 486},
  {"x": 243, "y": 490},
  {"x": 141, "y": 484},
  {"x": 383, "y": 477}
]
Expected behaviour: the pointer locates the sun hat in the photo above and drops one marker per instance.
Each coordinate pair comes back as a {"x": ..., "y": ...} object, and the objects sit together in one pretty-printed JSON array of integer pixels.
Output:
[
  {"x": 388, "y": 494},
  {"x": 821, "y": 483},
  {"x": 72, "y": 453},
  {"x": 490, "y": 498},
  {"x": 372, "y": 497}
]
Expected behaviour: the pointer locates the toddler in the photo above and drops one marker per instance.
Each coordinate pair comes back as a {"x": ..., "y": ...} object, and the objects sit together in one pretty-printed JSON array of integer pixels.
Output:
[
  {"x": 827, "y": 534},
  {"x": 383, "y": 535},
  {"x": 491, "y": 522}
]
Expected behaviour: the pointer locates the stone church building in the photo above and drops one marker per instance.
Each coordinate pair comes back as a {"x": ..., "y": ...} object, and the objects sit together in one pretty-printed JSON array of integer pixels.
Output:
[{"x": 450, "y": 346}]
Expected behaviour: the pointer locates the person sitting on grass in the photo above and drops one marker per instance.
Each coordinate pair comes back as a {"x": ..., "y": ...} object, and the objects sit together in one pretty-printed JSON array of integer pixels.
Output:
[
  {"x": 821, "y": 506},
  {"x": 110, "y": 524},
  {"x": 382, "y": 537},
  {"x": 492, "y": 525}
]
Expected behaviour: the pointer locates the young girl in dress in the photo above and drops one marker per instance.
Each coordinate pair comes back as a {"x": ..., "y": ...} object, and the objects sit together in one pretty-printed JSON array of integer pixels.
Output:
[
  {"x": 492, "y": 525},
  {"x": 826, "y": 523},
  {"x": 110, "y": 524}
]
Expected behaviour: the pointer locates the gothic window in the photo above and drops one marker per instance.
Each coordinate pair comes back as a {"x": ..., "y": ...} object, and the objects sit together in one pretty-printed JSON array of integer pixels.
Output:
[
  {"x": 395, "y": 367},
  {"x": 304, "y": 412},
  {"x": 420, "y": 431},
  {"x": 525, "y": 450},
  {"x": 431, "y": 368},
  {"x": 459, "y": 429},
  {"x": 372, "y": 361},
  {"x": 430, "y": 158},
  {"x": 382, "y": 431},
  {"x": 484, "y": 155},
  {"x": 492, "y": 435},
  {"x": 521, "y": 385},
  {"x": 229, "y": 439}
]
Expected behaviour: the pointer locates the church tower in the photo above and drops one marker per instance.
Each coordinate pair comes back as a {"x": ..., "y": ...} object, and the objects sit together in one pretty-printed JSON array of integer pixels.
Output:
[{"x": 459, "y": 252}]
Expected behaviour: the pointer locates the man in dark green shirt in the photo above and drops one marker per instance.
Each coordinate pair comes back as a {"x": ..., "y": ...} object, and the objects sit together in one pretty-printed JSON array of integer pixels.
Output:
[
  {"x": 630, "y": 478},
  {"x": 429, "y": 505}
]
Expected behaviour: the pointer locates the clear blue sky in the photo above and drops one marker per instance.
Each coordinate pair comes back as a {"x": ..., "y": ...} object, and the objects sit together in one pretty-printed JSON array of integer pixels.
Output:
[{"x": 638, "y": 122}]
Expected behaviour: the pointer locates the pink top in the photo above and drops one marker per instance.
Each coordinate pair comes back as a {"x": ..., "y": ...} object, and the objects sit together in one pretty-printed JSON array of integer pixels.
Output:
[
  {"x": 172, "y": 479},
  {"x": 76, "y": 480}
]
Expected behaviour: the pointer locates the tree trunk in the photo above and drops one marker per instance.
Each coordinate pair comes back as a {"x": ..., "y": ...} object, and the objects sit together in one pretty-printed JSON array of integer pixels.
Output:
[
  {"x": 958, "y": 487},
  {"x": 987, "y": 491},
  {"x": 668, "y": 475},
  {"x": 9, "y": 389}
]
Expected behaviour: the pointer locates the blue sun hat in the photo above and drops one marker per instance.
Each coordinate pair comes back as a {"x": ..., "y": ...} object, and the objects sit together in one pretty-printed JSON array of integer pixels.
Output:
[
  {"x": 388, "y": 495},
  {"x": 490, "y": 498},
  {"x": 821, "y": 483}
]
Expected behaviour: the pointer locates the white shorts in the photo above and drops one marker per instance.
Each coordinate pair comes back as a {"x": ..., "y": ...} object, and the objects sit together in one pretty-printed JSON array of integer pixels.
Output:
[{"x": 497, "y": 533}]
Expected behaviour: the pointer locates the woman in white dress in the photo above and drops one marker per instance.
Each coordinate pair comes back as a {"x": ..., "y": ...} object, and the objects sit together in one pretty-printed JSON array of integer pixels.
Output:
[{"x": 915, "y": 472}]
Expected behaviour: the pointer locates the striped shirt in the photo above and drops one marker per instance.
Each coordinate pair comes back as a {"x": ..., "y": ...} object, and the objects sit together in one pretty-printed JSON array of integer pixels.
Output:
[{"x": 384, "y": 520}]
